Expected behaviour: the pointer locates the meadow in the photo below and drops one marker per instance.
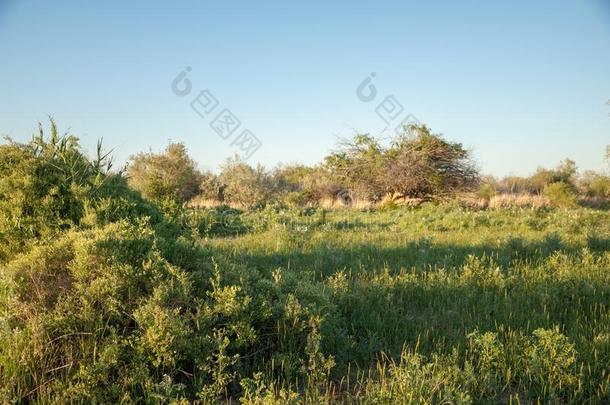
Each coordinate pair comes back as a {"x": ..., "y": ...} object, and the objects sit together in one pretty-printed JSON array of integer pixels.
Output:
[
  {"x": 107, "y": 296},
  {"x": 442, "y": 304}
]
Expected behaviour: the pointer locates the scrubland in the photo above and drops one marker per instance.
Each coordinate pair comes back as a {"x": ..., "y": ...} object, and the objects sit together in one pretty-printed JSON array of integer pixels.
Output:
[{"x": 107, "y": 296}]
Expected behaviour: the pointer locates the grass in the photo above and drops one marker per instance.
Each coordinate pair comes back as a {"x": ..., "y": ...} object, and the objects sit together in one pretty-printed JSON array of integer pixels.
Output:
[
  {"x": 409, "y": 289},
  {"x": 106, "y": 297}
]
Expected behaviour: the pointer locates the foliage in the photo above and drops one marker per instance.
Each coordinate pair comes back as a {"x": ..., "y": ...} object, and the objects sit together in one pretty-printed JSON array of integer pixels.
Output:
[
  {"x": 594, "y": 184},
  {"x": 106, "y": 297},
  {"x": 420, "y": 166},
  {"x": 361, "y": 165},
  {"x": 487, "y": 190},
  {"x": 300, "y": 185},
  {"x": 117, "y": 307},
  {"x": 565, "y": 173},
  {"x": 561, "y": 194},
  {"x": 47, "y": 187},
  {"x": 171, "y": 174},
  {"x": 211, "y": 188},
  {"x": 244, "y": 185}
]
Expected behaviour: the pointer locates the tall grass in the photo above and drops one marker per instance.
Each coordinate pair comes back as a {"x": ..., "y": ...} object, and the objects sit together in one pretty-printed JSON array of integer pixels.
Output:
[
  {"x": 108, "y": 298},
  {"x": 444, "y": 304}
]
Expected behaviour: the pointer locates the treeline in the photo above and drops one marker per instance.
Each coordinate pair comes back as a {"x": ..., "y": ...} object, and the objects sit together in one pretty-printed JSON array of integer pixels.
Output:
[
  {"x": 562, "y": 184},
  {"x": 415, "y": 166}
]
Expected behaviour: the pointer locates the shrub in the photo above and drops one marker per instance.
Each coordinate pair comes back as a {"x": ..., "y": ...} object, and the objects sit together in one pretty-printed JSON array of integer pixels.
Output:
[
  {"x": 171, "y": 174},
  {"x": 487, "y": 191},
  {"x": 244, "y": 185},
  {"x": 217, "y": 221},
  {"x": 595, "y": 185},
  {"x": 415, "y": 381},
  {"x": 302, "y": 185},
  {"x": 561, "y": 195},
  {"x": 421, "y": 166},
  {"x": 211, "y": 188},
  {"x": 49, "y": 186},
  {"x": 551, "y": 363},
  {"x": 361, "y": 165},
  {"x": 85, "y": 283},
  {"x": 486, "y": 353}
]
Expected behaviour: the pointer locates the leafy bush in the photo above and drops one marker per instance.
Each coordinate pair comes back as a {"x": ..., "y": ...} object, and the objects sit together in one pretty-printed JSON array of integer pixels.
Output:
[
  {"x": 211, "y": 188},
  {"x": 561, "y": 195},
  {"x": 303, "y": 185},
  {"x": 595, "y": 185},
  {"x": 551, "y": 363},
  {"x": 218, "y": 221},
  {"x": 171, "y": 174},
  {"x": 244, "y": 185},
  {"x": 421, "y": 166},
  {"x": 47, "y": 187},
  {"x": 487, "y": 191},
  {"x": 106, "y": 297}
]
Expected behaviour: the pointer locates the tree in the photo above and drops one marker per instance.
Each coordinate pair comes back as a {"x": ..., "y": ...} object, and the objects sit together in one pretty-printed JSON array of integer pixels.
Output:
[
  {"x": 245, "y": 185},
  {"x": 360, "y": 165},
  {"x": 304, "y": 184},
  {"x": 563, "y": 173},
  {"x": 427, "y": 166},
  {"x": 211, "y": 187},
  {"x": 172, "y": 174},
  {"x": 417, "y": 163}
]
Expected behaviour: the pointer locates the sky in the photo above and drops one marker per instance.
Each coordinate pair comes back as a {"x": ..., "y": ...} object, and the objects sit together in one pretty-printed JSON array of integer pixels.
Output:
[{"x": 523, "y": 84}]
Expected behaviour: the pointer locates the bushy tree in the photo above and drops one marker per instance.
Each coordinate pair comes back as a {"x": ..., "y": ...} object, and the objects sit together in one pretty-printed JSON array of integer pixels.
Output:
[
  {"x": 361, "y": 164},
  {"x": 302, "y": 185},
  {"x": 512, "y": 185},
  {"x": 561, "y": 194},
  {"x": 428, "y": 166},
  {"x": 211, "y": 187},
  {"x": 171, "y": 174},
  {"x": 417, "y": 163},
  {"x": 594, "y": 184},
  {"x": 48, "y": 186},
  {"x": 564, "y": 173},
  {"x": 245, "y": 185}
]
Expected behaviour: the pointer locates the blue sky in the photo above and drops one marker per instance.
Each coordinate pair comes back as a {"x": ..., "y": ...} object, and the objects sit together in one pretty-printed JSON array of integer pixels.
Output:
[{"x": 522, "y": 83}]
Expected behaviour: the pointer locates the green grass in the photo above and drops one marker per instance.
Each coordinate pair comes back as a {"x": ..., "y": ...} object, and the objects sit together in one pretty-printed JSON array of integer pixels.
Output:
[
  {"x": 106, "y": 297},
  {"x": 418, "y": 285},
  {"x": 435, "y": 304}
]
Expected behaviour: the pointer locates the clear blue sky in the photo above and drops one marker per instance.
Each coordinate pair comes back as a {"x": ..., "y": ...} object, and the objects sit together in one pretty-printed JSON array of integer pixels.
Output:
[{"x": 522, "y": 83}]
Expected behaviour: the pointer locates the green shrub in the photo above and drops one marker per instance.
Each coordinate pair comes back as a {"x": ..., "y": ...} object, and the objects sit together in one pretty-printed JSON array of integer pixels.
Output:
[
  {"x": 561, "y": 195},
  {"x": 211, "y": 188},
  {"x": 487, "y": 355},
  {"x": 551, "y": 363},
  {"x": 172, "y": 174},
  {"x": 487, "y": 191},
  {"x": 595, "y": 185},
  {"x": 47, "y": 187},
  {"x": 218, "y": 221},
  {"x": 244, "y": 185}
]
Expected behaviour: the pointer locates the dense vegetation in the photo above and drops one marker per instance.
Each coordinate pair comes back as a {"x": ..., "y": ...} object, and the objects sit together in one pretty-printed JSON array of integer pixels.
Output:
[
  {"x": 108, "y": 294},
  {"x": 416, "y": 165}
]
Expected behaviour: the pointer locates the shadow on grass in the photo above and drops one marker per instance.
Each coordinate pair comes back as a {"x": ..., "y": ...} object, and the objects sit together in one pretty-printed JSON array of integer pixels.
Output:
[{"x": 420, "y": 254}]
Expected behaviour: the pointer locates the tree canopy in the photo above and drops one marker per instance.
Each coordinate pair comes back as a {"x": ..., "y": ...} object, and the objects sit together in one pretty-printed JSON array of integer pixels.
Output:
[{"x": 417, "y": 163}]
